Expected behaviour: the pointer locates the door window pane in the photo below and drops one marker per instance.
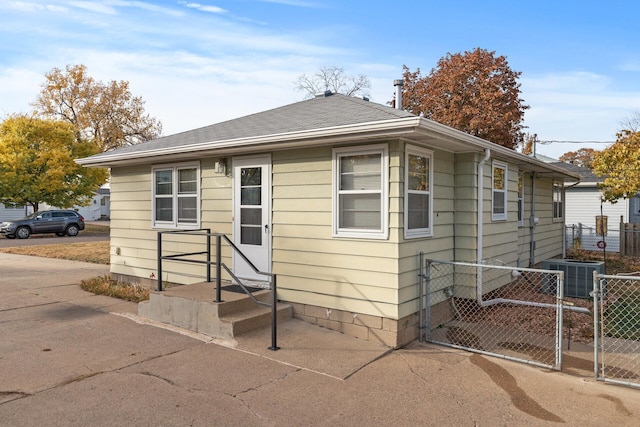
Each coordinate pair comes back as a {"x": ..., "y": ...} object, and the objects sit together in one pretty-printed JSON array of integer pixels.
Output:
[
  {"x": 251, "y": 196},
  {"x": 250, "y": 176},
  {"x": 251, "y": 235}
]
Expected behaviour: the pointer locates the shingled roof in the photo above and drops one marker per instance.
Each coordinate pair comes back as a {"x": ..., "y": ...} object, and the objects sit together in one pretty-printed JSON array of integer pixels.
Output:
[
  {"x": 324, "y": 120},
  {"x": 317, "y": 113}
]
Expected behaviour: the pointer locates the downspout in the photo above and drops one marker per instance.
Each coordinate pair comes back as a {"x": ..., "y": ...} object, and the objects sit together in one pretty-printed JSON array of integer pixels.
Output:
[
  {"x": 480, "y": 231},
  {"x": 532, "y": 223}
]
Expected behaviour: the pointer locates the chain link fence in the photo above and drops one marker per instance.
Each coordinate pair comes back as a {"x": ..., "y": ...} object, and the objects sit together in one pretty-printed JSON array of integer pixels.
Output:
[
  {"x": 623, "y": 238},
  {"x": 513, "y": 313},
  {"x": 617, "y": 326}
]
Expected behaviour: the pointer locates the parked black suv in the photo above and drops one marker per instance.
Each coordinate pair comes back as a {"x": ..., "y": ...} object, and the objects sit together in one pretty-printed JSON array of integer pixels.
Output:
[{"x": 60, "y": 222}]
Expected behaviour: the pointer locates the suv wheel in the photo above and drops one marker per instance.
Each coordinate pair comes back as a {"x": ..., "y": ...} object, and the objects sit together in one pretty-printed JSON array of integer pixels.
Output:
[
  {"x": 23, "y": 232},
  {"x": 72, "y": 230}
]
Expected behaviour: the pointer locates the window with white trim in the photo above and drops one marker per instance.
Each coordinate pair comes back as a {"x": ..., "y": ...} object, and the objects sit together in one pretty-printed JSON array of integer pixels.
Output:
[
  {"x": 361, "y": 192},
  {"x": 176, "y": 196},
  {"x": 520, "y": 199},
  {"x": 499, "y": 191},
  {"x": 418, "y": 197},
  {"x": 557, "y": 200}
]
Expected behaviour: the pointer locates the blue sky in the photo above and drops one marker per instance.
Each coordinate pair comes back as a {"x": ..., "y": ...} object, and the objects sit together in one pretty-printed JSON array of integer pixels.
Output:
[{"x": 198, "y": 63}]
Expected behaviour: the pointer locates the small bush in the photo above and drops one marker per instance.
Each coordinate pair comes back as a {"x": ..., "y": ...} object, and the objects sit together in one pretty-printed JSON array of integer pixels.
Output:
[{"x": 106, "y": 285}]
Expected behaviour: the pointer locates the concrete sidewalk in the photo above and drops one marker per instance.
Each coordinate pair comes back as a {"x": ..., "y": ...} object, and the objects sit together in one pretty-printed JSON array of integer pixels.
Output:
[{"x": 71, "y": 358}]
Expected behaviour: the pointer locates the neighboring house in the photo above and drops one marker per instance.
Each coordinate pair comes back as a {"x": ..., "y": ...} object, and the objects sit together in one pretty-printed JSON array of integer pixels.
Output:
[
  {"x": 584, "y": 203},
  {"x": 100, "y": 205},
  {"x": 99, "y": 208},
  {"x": 337, "y": 196},
  {"x": 9, "y": 213}
]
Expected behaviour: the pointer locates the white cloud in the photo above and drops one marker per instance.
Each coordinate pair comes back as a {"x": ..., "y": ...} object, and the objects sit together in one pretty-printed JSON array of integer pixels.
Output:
[
  {"x": 575, "y": 106},
  {"x": 204, "y": 8},
  {"x": 94, "y": 7}
]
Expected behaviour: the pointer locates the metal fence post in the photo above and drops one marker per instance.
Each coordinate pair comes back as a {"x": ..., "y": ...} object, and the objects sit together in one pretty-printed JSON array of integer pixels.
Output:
[
  {"x": 596, "y": 327},
  {"x": 427, "y": 291}
]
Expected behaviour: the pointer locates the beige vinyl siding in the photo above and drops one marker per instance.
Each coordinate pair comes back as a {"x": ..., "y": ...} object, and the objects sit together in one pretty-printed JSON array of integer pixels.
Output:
[
  {"x": 133, "y": 236},
  {"x": 440, "y": 245},
  {"x": 466, "y": 206},
  {"x": 524, "y": 233},
  {"x": 548, "y": 233},
  {"x": 315, "y": 268},
  {"x": 500, "y": 236}
]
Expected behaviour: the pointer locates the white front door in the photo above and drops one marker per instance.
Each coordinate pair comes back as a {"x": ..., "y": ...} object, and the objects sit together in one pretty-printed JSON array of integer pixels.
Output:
[{"x": 251, "y": 215}]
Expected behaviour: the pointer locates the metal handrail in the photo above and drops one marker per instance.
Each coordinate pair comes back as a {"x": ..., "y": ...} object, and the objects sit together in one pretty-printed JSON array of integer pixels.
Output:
[{"x": 179, "y": 257}]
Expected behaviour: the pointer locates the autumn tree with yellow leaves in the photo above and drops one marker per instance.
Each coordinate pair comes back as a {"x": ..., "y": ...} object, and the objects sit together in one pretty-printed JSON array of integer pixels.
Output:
[
  {"x": 475, "y": 92},
  {"x": 107, "y": 114},
  {"x": 619, "y": 164},
  {"x": 37, "y": 164}
]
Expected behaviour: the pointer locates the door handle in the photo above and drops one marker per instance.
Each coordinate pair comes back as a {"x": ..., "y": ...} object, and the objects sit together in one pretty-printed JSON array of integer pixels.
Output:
[{"x": 266, "y": 228}]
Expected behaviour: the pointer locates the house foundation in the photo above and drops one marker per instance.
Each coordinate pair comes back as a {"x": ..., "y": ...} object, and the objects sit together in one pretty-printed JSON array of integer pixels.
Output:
[{"x": 390, "y": 332}]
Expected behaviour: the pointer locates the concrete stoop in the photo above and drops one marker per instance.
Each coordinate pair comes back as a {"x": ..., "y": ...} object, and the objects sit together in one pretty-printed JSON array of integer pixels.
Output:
[{"x": 192, "y": 307}]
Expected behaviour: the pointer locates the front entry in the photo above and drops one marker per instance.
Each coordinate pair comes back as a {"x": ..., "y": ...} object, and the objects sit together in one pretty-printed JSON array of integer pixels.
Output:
[{"x": 251, "y": 215}]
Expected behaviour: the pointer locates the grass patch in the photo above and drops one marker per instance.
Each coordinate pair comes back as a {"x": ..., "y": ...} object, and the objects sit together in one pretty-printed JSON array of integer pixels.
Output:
[
  {"x": 95, "y": 229},
  {"x": 94, "y": 252},
  {"x": 106, "y": 285}
]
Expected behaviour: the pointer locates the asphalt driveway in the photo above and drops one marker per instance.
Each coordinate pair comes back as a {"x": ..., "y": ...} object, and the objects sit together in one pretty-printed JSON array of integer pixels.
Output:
[{"x": 70, "y": 358}]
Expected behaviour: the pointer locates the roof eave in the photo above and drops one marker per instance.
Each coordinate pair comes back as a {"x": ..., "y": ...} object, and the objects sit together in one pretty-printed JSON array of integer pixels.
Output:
[{"x": 344, "y": 134}]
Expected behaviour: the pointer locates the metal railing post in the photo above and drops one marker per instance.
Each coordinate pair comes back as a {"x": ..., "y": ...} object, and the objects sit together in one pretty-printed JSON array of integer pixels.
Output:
[
  {"x": 159, "y": 261},
  {"x": 218, "y": 268},
  {"x": 421, "y": 314},
  {"x": 208, "y": 256},
  {"x": 274, "y": 316}
]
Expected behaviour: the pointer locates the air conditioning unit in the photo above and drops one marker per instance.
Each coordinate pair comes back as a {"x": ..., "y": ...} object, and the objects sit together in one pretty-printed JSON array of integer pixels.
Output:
[{"x": 578, "y": 275}]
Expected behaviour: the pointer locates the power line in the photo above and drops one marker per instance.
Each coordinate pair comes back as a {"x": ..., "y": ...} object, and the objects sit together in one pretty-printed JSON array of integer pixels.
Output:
[{"x": 547, "y": 142}]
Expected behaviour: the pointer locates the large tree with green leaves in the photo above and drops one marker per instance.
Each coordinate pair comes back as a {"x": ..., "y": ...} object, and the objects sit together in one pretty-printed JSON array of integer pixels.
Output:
[
  {"x": 475, "y": 92},
  {"x": 107, "y": 114},
  {"x": 37, "y": 164},
  {"x": 619, "y": 165}
]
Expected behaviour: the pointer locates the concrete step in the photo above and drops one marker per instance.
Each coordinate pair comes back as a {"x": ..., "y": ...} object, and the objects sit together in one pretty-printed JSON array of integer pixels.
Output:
[
  {"x": 256, "y": 318},
  {"x": 192, "y": 307}
]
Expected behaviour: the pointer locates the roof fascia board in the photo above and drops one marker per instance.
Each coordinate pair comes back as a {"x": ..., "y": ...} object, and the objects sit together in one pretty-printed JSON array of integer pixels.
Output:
[{"x": 379, "y": 130}]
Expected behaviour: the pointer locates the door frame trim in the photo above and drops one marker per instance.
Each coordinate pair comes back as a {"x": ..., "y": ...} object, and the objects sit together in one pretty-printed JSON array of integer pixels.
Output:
[{"x": 263, "y": 160}]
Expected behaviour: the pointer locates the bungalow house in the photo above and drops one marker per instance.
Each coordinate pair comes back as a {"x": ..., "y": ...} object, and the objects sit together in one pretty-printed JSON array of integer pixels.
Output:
[{"x": 337, "y": 196}]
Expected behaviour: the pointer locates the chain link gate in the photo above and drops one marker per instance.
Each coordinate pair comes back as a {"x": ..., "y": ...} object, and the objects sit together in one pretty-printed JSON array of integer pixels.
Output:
[
  {"x": 508, "y": 312},
  {"x": 617, "y": 329}
]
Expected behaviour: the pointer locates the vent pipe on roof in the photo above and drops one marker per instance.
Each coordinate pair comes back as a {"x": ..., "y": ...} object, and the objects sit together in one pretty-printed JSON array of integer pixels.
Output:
[
  {"x": 398, "y": 101},
  {"x": 324, "y": 94}
]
